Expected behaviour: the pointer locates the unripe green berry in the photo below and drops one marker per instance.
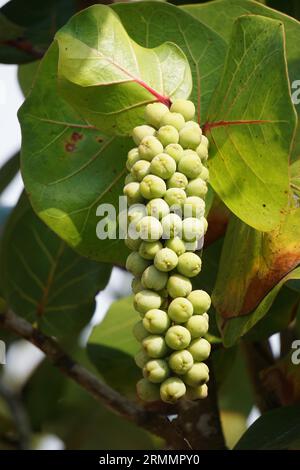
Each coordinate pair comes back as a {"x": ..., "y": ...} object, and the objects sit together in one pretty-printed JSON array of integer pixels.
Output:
[
  {"x": 155, "y": 346},
  {"x": 132, "y": 157},
  {"x": 184, "y": 107},
  {"x": 192, "y": 229},
  {"x": 154, "y": 113},
  {"x": 148, "y": 250},
  {"x": 141, "y": 359},
  {"x": 172, "y": 389},
  {"x": 189, "y": 137},
  {"x": 140, "y": 169},
  {"x": 193, "y": 125},
  {"x": 192, "y": 245},
  {"x": 177, "y": 180},
  {"x": 147, "y": 391},
  {"x": 197, "y": 326},
  {"x": 158, "y": 208},
  {"x": 135, "y": 264},
  {"x": 156, "y": 321},
  {"x": 177, "y": 245},
  {"x": 197, "y": 375},
  {"x": 204, "y": 175},
  {"x": 189, "y": 264},
  {"x": 181, "y": 361},
  {"x": 202, "y": 151},
  {"x": 136, "y": 285},
  {"x": 136, "y": 212},
  {"x": 149, "y": 147},
  {"x": 180, "y": 310},
  {"x": 194, "y": 207},
  {"x": 197, "y": 187},
  {"x": 197, "y": 393},
  {"x": 129, "y": 179},
  {"x": 175, "y": 151},
  {"x": 163, "y": 165},
  {"x": 154, "y": 279},
  {"x": 139, "y": 331},
  {"x": 139, "y": 132},
  {"x": 146, "y": 300},
  {"x": 206, "y": 316},
  {"x": 171, "y": 225},
  {"x": 201, "y": 301},
  {"x": 178, "y": 337},
  {"x": 165, "y": 260},
  {"x": 173, "y": 119},
  {"x": 149, "y": 228},
  {"x": 156, "y": 370},
  {"x": 190, "y": 164},
  {"x": 179, "y": 286},
  {"x": 200, "y": 349},
  {"x": 175, "y": 197},
  {"x": 167, "y": 135},
  {"x": 205, "y": 224},
  {"x": 152, "y": 187},
  {"x": 132, "y": 191},
  {"x": 132, "y": 244},
  {"x": 205, "y": 141}
]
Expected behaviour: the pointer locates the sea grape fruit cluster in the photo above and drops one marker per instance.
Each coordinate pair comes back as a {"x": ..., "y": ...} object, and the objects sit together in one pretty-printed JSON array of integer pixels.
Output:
[{"x": 165, "y": 189}]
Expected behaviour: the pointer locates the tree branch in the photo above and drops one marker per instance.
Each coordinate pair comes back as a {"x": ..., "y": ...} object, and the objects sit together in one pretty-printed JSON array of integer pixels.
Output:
[{"x": 155, "y": 423}]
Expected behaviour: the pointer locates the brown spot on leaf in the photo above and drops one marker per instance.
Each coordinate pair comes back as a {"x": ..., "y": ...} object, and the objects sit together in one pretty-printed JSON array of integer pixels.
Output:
[
  {"x": 76, "y": 136},
  {"x": 99, "y": 139},
  {"x": 70, "y": 147}
]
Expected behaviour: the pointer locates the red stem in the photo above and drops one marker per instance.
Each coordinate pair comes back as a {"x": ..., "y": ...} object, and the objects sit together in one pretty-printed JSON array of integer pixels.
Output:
[
  {"x": 209, "y": 125},
  {"x": 163, "y": 99}
]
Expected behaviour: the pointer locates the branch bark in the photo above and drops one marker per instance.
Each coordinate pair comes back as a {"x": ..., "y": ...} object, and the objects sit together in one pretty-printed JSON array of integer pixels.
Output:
[{"x": 153, "y": 422}]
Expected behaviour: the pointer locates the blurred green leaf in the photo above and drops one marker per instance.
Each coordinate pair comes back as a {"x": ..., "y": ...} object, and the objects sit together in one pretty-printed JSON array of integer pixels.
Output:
[{"x": 9, "y": 170}]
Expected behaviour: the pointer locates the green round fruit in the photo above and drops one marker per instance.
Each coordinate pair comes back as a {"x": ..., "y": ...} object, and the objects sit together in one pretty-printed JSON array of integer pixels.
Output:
[
  {"x": 156, "y": 321},
  {"x": 192, "y": 246},
  {"x": 197, "y": 326},
  {"x": 197, "y": 187},
  {"x": 177, "y": 180},
  {"x": 154, "y": 113},
  {"x": 175, "y": 197},
  {"x": 171, "y": 225},
  {"x": 158, "y": 208},
  {"x": 129, "y": 179},
  {"x": 165, "y": 260},
  {"x": 197, "y": 375},
  {"x": 173, "y": 119},
  {"x": 154, "y": 279},
  {"x": 152, "y": 187},
  {"x": 149, "y": 228},
  {"x": 175, "y": 151},
  {"x": 132, "y": 244},
  {"x": 163, "y": 165},
  {"x": 179, "y": 286},
  {"x": 200, "y": 349},
  {"x": 176, "y": 244},
  {"x": 146, "y": 300},
  {"x": 190, "y": 164},
  {"x": 132, "y": 157},
  {"x": 132, "y": 192},
  {"x": 201, "y": 301},
  {"x": 172, "y": 389},
  {"x": 167, "y": 135},
  {"x": 197, "y": 393},
  {"x": 136, "y": 285},
  {"x": 141, "y": 359},
  {"x": 136, "y": 212},
  {"x": 184, "y": 107},
  {"x": 181, "y": 361},
  {"x": 147, "y": 391},
  {"x": 135, "y": 264},
  {"x": 192, "y": 229},
  {"x": 177, "y": 337},
  {"x": 189, "y": 264},
  {"x": 140, "y": 169},
  {"x": 139, "y": 331},
  {"x": 139, "y": 132},
  {"x": 148, "y": 250},
  {"x": 156, "y": 370},
  {"x": 202, "y": 151},
  {"x": 204, "y": 140},
  {"x": 194, "y": 207},
  {"x": 189, "y": 137},
  {"x": 180, "y": 310},
  {"x": 204, "y": 175},
  {"x": 155, "y": 346},
  {"x": 149, "y": 147}
]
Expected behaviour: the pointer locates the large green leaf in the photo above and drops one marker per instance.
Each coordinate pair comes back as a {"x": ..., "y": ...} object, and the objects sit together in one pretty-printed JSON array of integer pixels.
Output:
[
  {"x": 277, "y": 429},
  {"x": 43, "y": 280},
  {"x": 69, "y": 168},
  {"x": 220, "y": 16},
  {"x": 111, "y": 347},
  {"x": 109, "y": 78},
  {"x": 251, "y": 124},
  {"x": 151, "y": 23}
]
